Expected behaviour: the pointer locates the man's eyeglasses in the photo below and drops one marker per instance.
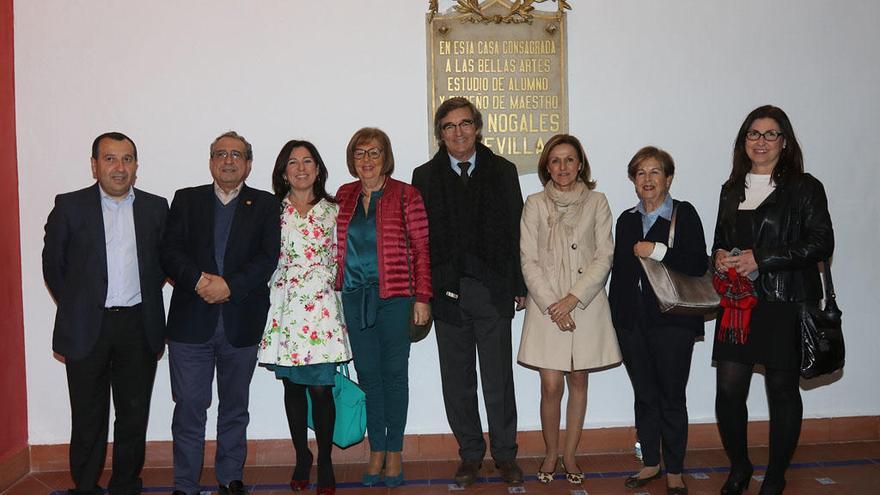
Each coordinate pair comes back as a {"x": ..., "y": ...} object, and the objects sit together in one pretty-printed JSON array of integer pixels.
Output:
[
  {"x": 223, "y": 154},
  {"x": 771, "y": 135},
  {"x": 465, "y": 126},
  {"x": 373, "y": 153}
]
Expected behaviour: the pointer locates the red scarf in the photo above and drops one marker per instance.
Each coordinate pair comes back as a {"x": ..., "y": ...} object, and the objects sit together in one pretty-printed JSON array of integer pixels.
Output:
[{"x": 738, "y": 297}]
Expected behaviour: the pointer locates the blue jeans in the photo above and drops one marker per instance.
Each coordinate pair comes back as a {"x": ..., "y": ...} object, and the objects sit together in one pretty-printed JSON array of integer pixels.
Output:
[{"x": 192, "y": 374}]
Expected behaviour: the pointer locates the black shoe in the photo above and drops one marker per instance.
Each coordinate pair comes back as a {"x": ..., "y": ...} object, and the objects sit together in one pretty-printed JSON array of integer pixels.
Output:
[
  {"x": 467, "y": 472},
  {"x": 233, "y": 488},
  {"x": 510, "y": 472},
  {"x": 738, "y": 481},
  {"x": 676, "y": 490},
  {"x": 636, "y": 482},
  {"x": 769, "y": 487}
]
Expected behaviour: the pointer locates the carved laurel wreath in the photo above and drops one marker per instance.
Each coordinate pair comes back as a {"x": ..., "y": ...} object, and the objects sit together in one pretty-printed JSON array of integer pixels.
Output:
[{"x": 520, "y": 11}]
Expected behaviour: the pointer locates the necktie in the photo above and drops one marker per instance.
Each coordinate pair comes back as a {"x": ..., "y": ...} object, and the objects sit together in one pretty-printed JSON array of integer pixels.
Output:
[{"x": 464, "y": 166}]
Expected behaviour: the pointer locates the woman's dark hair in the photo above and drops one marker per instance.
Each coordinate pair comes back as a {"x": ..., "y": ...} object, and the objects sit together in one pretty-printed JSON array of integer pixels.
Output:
[
  {"x": 791, "y": 160},
  {"x": 584, "y": 172},
  {"x": 279, "y": 181}
]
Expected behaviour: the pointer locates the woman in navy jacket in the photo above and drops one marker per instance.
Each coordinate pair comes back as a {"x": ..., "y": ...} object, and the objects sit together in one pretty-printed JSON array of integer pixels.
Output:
[{"x": 656, "y": 347}]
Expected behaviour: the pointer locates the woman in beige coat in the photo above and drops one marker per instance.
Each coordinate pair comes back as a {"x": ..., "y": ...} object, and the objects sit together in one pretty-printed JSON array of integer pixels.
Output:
[{"x": 566, "y": 250}]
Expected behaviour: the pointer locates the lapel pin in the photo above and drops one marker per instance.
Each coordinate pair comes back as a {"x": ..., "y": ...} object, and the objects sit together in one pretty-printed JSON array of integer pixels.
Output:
[{"x": 248, "y": 202}]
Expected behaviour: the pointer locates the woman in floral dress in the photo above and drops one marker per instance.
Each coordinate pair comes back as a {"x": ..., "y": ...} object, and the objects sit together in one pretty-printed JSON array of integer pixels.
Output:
[{"x": 305, "y": 336}]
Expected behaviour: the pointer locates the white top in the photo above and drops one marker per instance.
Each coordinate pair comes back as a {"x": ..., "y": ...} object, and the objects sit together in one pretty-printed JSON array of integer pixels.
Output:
[{"x": 758, "y": 187}]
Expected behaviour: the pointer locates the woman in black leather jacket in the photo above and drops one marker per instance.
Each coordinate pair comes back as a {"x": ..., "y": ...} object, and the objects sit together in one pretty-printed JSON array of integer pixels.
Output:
[{"x": 776, "y": 217}]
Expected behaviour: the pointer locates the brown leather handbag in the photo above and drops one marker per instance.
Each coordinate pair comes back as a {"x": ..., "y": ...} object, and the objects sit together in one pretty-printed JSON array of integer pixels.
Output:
[{"x": 678, "y": 293}]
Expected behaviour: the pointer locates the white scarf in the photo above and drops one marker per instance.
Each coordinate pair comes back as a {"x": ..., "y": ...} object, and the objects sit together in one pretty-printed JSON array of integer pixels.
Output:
[{"x": 565, "y": 209}]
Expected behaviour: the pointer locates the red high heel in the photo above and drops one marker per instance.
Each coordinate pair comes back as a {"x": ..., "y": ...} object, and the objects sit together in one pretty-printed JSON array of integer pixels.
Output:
[{"x": 299, "y": 485}]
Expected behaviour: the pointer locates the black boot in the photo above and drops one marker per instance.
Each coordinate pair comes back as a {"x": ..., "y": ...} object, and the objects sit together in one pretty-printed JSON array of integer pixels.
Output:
[
  {"x": 738, "y": 481},
  {"x": 772, "y": 487}
]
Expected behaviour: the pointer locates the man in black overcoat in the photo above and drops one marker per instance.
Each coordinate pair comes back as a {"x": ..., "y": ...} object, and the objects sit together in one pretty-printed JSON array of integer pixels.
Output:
[{"x": 474, "y": 203}]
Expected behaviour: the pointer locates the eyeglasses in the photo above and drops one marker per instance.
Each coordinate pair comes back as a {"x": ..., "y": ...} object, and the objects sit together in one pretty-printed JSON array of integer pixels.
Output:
[
  {"x": 771, "y": 135},
  {"x": 223, "y": 154},
  {"x": 373, "y": 153},
  {"x": 465, "y": 126}
]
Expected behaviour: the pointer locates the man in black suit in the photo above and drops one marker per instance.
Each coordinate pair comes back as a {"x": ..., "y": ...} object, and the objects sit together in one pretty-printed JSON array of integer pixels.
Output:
[
  {"x": 474, "y": 204},
  {"x": 221, "y": 246},
  {"x": 101, "y": 264}
]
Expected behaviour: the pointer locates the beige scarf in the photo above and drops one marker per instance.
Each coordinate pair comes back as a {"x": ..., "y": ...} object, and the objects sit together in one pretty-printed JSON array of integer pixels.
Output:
[{"x": 565, "y": 209}]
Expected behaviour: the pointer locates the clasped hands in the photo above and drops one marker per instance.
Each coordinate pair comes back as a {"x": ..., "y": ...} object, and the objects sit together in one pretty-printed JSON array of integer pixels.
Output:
[
  {"x": 212, "y": 288},
  {"x": 560, "y": 313},
  {"x": 744, "y": 263}
]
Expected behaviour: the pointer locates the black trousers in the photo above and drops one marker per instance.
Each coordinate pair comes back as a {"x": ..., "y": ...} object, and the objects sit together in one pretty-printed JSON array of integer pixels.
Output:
[
  {"x": 123, "y": 362},
  {"x": 486, "y": 333},
  {"x": 658, "y": 361}
]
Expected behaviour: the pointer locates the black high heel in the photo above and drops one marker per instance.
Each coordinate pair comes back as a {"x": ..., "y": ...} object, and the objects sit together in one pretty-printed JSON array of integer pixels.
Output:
[
  {"x": 769, "y": 487},
  {"x": 737, "y": 482}
]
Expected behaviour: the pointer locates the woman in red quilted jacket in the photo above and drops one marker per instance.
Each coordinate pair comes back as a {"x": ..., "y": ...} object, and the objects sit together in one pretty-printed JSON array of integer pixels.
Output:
[{"x": 385, "y": 277}]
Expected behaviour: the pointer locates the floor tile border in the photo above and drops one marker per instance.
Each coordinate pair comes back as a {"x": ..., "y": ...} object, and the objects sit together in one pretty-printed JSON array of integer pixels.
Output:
[{"x": 267, "y": 487}]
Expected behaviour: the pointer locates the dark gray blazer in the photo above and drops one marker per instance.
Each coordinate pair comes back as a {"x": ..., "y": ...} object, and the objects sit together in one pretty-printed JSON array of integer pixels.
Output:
[{"x": 75, "y": 268}]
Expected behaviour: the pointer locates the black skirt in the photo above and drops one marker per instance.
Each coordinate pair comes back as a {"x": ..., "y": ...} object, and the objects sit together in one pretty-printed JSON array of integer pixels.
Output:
[{"x": 774, "y": 336}]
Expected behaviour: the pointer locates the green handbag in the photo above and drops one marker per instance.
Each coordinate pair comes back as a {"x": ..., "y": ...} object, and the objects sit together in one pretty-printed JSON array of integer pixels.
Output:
[{"x": 351, "y": 410}]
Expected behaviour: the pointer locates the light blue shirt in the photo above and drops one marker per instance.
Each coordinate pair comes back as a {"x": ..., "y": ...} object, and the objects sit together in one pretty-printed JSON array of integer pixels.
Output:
[
  {"x": 453, "y": 162},
  {"x": 648, "y": 219},
  {"x": 123, "y": 278}
]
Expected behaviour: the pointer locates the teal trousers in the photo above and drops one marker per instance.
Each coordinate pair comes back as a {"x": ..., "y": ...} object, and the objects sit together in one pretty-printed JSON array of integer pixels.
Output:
[{"x": 378, "y": 330}]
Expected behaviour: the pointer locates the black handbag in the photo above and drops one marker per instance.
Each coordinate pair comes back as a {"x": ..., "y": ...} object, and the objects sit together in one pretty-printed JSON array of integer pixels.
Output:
[
  {"x": 822, "y": 349},
  {"x": 417, "y": 333}
]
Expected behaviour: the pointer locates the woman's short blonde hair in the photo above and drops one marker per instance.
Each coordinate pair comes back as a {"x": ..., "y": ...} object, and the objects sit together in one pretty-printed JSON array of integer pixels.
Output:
[
  {"x": 662, "y": 157},
  {"x": 365, "y": 135}
]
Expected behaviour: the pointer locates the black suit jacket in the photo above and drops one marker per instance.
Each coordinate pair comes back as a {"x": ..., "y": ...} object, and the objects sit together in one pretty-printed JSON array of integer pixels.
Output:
[
  {"x": 251, "y": 256},
  {"x": 75, "y": 268},
  {"x": 632, "y": 306},
  {"x": 482, "y": 220}
]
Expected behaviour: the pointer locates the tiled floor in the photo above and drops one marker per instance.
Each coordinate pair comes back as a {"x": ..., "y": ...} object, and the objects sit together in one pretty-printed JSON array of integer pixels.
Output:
[{"x": 848, "y": 468}]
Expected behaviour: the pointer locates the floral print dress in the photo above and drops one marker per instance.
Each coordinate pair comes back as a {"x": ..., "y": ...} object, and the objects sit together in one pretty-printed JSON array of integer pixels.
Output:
[{"x": 305, "y": 324}]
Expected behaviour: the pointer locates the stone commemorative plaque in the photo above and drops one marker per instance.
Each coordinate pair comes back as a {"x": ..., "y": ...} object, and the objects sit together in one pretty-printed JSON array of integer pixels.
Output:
[{"x": 509, "y": 59}]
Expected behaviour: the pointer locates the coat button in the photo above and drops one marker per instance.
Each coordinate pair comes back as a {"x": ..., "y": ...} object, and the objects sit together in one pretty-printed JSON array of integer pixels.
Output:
[
  {"x": 580, "y": 270},
  {"x": 574, "y": 246}
]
